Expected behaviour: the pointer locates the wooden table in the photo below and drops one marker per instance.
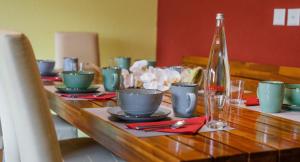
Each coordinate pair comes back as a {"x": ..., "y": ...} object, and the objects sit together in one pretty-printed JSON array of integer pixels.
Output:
[{"x": 256, "y": 137}]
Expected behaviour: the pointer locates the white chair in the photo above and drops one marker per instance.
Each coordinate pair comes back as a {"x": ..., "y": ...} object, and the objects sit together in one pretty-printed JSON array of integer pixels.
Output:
[
  {"x": 28, "y": 129},
  {"x": 83, "y": 45},
  {"x": 63, "y": 129}
]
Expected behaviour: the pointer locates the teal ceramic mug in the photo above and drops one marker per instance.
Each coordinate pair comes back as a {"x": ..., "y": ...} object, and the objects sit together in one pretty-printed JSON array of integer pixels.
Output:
[
  {"x": 111, "y": 78},
  {"x": 270, "y": 94},
  {"x": 123, "y": 62},
  {"x": 292, "y": 94}
]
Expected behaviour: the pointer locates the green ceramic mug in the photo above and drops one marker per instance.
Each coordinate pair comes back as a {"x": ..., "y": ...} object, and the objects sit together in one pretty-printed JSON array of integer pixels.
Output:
[
  {"x": 270, "y": 94},
  {"x": 123, "y": 62},
  {"x": 111, "y": 78}
]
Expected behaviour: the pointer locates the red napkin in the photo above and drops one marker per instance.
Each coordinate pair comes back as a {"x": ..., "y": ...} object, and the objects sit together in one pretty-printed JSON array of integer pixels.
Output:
[
  {"x": 252, "y": 101},
  {"x": 193, "y": 125},
  {"x": 105, "y": 96},
  {"x": 51, "y": 79}
]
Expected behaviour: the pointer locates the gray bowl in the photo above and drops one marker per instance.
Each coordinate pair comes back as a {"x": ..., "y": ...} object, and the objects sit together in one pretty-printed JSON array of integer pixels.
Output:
[
  {"x": 45, "y": 66},
  {"x": 179, "y": 69},
  {"x": 139, "y": 102}
]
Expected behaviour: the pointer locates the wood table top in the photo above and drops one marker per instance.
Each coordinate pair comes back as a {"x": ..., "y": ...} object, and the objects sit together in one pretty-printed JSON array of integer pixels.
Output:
[{"x": 256, "y": 137}]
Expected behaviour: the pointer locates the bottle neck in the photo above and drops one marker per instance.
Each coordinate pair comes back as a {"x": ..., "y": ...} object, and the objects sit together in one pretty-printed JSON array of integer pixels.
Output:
[
  {"x": 218, "y": 32},
  {"x": 220, "y": 22}
]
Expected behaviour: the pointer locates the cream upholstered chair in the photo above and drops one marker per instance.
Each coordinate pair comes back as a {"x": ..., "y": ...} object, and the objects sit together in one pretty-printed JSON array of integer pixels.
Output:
[
  {"x": 63, "y": 129},
  {"x": 28, "y": 129},
  {"x": 83, "y": 45}
]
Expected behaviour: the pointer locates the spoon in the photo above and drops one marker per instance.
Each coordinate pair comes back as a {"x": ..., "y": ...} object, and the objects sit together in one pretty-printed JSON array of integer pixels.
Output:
[
  {"x": 82, "y": 95},
  {"x": 177, "y": 124},
  {"x": 98, "y": 94}
]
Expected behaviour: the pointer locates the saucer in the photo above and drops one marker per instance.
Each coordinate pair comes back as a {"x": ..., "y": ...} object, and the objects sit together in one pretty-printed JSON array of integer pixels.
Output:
[
  {"x": 293, "y": 107},
  {"x": 51, "y": 74},
  {"x": 63, "y": 89},
  {"x": 160, "y": 114}
]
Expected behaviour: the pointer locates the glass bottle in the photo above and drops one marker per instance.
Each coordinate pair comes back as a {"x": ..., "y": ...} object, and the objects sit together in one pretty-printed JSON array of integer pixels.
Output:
[{"x": 217, "y": 79}]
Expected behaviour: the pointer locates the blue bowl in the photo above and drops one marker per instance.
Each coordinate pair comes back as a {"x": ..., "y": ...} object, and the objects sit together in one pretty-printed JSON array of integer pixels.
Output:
[{"x": 45, "y": 66}]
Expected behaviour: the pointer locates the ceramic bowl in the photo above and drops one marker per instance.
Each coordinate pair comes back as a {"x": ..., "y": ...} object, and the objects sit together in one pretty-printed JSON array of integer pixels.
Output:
[
  {"x": 151, "y": 63},
  {"x": 45, "y": 66},
  {"x": 81, "y": 79},
  {"x": 292, "y": 94},
  {"x": 139, "y": 102},
  {"x": 179, "y": 69}
]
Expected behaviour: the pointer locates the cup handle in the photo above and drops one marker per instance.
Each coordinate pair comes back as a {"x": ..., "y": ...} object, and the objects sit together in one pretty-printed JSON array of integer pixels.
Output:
[
  {"x": 257, "y": 91},
  {"x": 192, "y": 103},
  {"x": 116, "y": 78}
]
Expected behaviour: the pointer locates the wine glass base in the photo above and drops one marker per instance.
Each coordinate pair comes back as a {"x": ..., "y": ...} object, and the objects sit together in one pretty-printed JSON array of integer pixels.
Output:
[{"x": 215, "y": 124}]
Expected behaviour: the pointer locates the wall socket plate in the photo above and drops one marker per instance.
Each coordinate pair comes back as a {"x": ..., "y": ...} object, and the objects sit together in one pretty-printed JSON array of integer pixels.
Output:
[
  {"x": 293, "y": 17},
  {"x": 279, "y": 17}
]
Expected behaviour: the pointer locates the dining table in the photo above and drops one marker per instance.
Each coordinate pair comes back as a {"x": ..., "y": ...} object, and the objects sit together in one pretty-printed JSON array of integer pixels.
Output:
[{"x": 255, "y": 136}]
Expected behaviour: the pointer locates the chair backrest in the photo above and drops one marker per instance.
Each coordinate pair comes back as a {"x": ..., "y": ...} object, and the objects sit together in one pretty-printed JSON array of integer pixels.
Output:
[
  {"x": 83, "y": 45},
  {"x": 25, "y": 114},
  {"x": 237, "y": 68},
  {"x": 251, "y": 72},
  {"x": 7, "y": 125}
]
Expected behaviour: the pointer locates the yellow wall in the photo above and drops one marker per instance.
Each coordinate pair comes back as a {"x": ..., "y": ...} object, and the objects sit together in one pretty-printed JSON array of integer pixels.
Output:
[{"x": 125, "y": 27}]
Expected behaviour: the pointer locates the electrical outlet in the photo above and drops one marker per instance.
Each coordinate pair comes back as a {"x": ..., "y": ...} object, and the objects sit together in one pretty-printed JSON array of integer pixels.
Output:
[
  {"x": 279, "y": 17},
  {"x": 293, "y": 17}
]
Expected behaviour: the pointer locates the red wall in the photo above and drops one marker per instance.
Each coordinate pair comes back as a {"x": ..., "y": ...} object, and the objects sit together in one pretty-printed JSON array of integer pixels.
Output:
[{"x": 186, "y": 27}]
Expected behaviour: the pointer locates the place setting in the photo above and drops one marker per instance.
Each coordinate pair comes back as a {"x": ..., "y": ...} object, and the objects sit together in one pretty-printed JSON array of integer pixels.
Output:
[
  {"x": 141, "y": 113},
  {"x": 139, "y": 105},
  {"x": 181, "y": 115},
  {"x": 78, "y": 86},
  {"x": 78, "y": 83}
]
